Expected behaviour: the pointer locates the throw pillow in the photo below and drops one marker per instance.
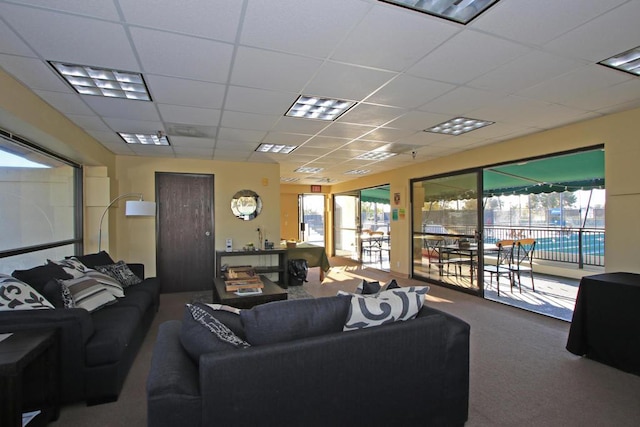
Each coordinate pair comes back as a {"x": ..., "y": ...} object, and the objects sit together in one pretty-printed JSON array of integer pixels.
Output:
[
  {"x": 110, "y": 284},
  {"x": 16, "y": 295},
  {"x": 370, "y": 288},
  {"x": 37, "y": 277},
  {"x": 121, "y": 272},
  {"x": 58, "y": 294},
  {"x": 392, "y": 284},
  {"x": 71, "y": 266},
  {"x": 88, "y": 293},
  {"x": 282, "y": 321},
  {"x": 385, "y": 307},
  {"x": 93, "y": 260},
  {"x": 204, "y": 332}
]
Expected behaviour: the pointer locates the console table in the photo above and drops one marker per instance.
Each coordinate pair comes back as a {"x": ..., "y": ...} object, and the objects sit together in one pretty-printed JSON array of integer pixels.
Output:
[
  {"x": 281, "y": 267},
  {"x": 606, "y": 320},
  {"x": 29, "y": 358}
]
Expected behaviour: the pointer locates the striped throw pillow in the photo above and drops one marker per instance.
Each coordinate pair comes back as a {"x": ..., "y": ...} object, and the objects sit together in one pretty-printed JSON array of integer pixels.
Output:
[{"x": 88, "y": 293}]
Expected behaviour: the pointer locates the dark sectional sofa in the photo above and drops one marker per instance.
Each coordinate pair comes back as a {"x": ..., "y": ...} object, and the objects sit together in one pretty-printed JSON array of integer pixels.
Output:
[
  {"x": 413, "y": 372},
  {"x": 97, "y": 349}
]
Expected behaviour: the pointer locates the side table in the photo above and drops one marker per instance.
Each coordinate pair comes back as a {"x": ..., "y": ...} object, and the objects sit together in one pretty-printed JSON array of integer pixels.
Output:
[{"x": 29, "y": 365}]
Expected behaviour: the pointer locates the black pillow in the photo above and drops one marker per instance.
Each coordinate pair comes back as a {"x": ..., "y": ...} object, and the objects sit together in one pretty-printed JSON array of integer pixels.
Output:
[
  {"x": 282, "y": 321},
  {"x": 369, "y": 288},
  {"x": 93, "y": 260},
  {"x": 38, "y": 277},
  {"x": 391, "y": 285},
  {"x": 199, "y": 333}
]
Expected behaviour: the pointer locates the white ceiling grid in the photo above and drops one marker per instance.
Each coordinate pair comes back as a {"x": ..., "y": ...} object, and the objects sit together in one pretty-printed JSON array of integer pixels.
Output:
[{"x": 222, "y": 74}]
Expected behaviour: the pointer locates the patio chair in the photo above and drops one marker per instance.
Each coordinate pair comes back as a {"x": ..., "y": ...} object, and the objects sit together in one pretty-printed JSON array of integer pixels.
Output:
[
  {"x": 504, "y": 256},
  {"x": 432, "y": 251},
  {"x": 522, "y": 261}
]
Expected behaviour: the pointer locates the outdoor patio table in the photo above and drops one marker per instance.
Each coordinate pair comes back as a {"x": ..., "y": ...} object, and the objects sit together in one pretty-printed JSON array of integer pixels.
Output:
[
  {"x": 606, "y": 320},
  {"x": 470, "y": 251}
]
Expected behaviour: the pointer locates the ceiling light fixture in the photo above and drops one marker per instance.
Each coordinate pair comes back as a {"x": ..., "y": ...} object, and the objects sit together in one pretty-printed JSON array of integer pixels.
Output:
[
  {"x": 458, "y": 126},
  {"x": 628, "y": 61},
  {"x": 145, "y": 139},
  {"x": 288, "y": 179},
  {"x": 357, "y": 172},
  {"x": 307, "y": 169},
  {"x": 276, "y": 148},
  {"x": 103, "y": 82},
  {"x": 313, "y": 107},
  {"x": 376, "y": 155},
  {"x": 461, "y": 11}
]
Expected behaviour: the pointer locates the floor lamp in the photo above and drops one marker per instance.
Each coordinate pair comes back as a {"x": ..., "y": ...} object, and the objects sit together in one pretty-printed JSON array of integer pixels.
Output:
[{"x": 132, "y": 208}]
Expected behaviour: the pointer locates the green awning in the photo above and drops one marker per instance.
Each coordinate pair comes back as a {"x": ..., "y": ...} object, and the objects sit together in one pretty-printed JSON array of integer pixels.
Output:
[
  {"x": 376, "y": 195},
  {"x": 571, "y": 172}
]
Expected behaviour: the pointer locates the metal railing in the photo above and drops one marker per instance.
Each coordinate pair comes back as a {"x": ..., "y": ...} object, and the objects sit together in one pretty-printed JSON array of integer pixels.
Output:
[{"x": 582, "y": 246}]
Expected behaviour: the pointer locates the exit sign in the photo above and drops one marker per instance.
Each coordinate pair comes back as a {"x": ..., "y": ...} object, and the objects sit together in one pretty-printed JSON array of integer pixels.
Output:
[{"x": 316, "y": 188}]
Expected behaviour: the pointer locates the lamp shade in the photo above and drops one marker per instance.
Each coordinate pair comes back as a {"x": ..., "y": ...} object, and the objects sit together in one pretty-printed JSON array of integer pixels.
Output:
[{"x": 140, "y": 208}]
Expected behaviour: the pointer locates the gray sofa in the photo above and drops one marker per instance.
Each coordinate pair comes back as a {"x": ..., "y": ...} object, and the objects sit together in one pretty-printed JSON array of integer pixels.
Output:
[
  {"x": 414, "y": 372},
  {"x": 98, "y": 348}
]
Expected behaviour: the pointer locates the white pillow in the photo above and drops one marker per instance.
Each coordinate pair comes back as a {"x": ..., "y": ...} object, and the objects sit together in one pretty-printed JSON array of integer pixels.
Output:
[
  {"x": 388, "y": 306},
  {"x": 17, "y": 295}
]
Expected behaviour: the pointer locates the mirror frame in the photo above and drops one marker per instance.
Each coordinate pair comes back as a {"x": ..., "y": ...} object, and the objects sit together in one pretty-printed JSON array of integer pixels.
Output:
[{"x": 246, "y": 205}]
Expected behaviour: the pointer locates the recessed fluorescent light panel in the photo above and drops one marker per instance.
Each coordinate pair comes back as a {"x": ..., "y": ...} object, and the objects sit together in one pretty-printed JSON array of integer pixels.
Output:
[
  {"x": 357, "y": 172},
  {"x": 276, "y": 148},
  {"x": 103, "y": 82},
  {"x": 306, "y": 169},
  {"x": 375, "y": 155},
  {"x": 313, "y": 107},
  {"x": 458, "y": 126},
  {"x": 144, "y": 139},
  {"x": 462, "y": 11},
  {"x": 288, "y": 179},
  {"x": 628, "y": 61}
]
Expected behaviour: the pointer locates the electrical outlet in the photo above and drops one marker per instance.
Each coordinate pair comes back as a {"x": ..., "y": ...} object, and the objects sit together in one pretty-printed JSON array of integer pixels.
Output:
[{"x": 398, "y": 264}]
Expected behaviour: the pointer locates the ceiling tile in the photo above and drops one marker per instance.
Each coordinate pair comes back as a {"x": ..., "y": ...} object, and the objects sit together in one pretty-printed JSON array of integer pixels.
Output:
[
  {"x": 526, "y": 71},
  {"x": 233, "y": 119},
  {"x": 326, "y": 142},
  {"x": 297, "y": 125},
  {"x": 122, "y": 108},
  {"x": 511, "y": 19},
  {"x": 417, "y": 120},
  {"x": 89, "y": 123},
  {"x": 346, "y": 130},
  {"x": 103, "y": 9},
  {"x": 312, "y": 30},
  {"x": 372, "y": 115},
  {"x": 459, "y": 101},
  {"x": 66, "y": 103},
  {"x": 285, "y": 138},
  {"x": 181, "y": 56},
  {"x": 11, "y": 44},
  {"x": 346, "y": 82},
  {"x": 214, "y": 19},
  {"x": 374, "y": 34},
  {"x": 34, "y": 73},
  {"x": 409, "y": 92},
  {"x": 134, "y": 126},
  {"x": 190, "y": 93},
  {"x": 609, "y": 41},
  {"x": 278, "y": 71},
  {"x": 258, "y": 101},
  {"x": 238, "y": 135},
  {"x": 467, "y": 56},
  {"x": 62, "y": 37},
  {"x": 191, "y": 115}
]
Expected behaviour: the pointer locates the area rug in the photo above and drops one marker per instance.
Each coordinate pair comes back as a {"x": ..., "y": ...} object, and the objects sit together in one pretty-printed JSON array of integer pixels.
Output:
[{"x": 293, "y": 292}]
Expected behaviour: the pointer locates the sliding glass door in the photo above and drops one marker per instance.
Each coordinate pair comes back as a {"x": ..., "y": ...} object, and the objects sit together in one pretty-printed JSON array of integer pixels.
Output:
[
  {"x": 445, "y": 228},
  {"x": 346, "y": 223}
]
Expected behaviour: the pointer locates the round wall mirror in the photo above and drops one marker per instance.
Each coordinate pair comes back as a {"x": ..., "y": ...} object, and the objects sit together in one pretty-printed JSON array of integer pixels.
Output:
[{"x": 246, "y": 205}]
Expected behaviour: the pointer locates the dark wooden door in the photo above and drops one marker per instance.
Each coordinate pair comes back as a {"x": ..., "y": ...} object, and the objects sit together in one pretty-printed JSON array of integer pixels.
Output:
[{"x": 185, "y": 250}]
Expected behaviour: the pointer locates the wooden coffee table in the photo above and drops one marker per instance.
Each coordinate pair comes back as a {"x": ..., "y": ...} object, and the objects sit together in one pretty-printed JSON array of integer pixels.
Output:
[{"x": 270, "y": 292}]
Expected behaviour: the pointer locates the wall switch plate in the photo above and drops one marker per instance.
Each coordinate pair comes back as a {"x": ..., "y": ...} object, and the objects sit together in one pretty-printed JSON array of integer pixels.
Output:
[{"x": 229, "y": 245}]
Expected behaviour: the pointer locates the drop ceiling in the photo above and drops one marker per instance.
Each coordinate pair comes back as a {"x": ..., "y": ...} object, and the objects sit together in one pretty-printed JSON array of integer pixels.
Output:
[{"x": 222, "y": 74}]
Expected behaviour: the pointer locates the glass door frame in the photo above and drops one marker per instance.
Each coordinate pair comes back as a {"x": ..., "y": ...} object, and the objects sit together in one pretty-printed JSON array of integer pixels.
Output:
[
  {"x": 356, "y": 253},
  {"x": 479, "y": 290}
]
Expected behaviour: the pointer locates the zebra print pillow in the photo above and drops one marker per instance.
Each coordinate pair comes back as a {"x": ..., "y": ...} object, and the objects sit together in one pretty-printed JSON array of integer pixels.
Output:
[{"x": 388, "y": 306}]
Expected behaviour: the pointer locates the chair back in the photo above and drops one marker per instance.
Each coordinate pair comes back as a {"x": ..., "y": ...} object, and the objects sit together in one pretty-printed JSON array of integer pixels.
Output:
[
  {"x": 505, "y": 252},
  {"x": 433, "y": 247},
  {"x": 523, "y": 251}
]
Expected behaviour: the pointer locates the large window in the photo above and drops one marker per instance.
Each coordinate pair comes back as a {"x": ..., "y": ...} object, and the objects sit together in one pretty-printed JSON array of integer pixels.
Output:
[{"x": 40, "y": 206}]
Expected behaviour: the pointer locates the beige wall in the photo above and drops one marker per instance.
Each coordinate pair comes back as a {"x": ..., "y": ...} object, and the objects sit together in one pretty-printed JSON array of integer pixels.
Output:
[
  {"x": 135, "y": 238},
  {"x": 617, "y": 132}
]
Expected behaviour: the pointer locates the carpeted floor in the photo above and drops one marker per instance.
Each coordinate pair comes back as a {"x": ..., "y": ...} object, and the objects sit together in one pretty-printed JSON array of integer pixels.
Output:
[{"x": 520, "y": 372}]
